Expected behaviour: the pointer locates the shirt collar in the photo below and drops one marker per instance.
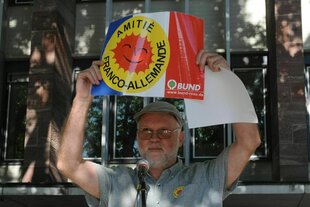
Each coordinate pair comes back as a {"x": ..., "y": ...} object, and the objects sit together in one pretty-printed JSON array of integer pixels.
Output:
[{"x": 174, "y": 168}]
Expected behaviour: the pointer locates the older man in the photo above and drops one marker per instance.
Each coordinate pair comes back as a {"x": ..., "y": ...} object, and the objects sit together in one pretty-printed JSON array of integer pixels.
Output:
[{"x": 159, "y": 136}]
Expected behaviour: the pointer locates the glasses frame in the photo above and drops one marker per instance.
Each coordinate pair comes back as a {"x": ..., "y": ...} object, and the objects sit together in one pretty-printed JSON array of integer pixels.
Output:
[{"x": 158, "y": 133}]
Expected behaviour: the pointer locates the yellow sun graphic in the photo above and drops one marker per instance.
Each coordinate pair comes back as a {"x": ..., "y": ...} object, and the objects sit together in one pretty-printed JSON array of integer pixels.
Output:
[
  {"x": 133, "y": 53},
  {"x": 136, "y": 56}
]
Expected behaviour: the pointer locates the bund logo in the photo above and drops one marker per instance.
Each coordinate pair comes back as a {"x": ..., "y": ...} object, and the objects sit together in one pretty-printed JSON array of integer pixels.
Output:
[{"x": 136, "y": 56}]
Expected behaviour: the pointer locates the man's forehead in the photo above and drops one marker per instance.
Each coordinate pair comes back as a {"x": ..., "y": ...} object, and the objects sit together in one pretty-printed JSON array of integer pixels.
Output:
[{"x": 158, "y": 115}]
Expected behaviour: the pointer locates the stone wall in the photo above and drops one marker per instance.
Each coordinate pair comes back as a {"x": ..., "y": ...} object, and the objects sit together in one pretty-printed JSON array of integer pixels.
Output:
[{"x": 292, "y": 156}]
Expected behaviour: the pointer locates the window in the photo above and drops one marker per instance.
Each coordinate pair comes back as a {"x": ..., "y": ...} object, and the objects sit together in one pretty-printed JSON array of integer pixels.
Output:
[
  {"x": 254, "y": 81},
  {"x": 248, "y": 33},
  {"x": 90, "y": 28},
  {"x": 21, "y": 2},
  {"x": 92, "y": 147},
  {"x": 91, "y": 22},
  {"x": 214, "y": 21},
  {"x": 307, "y": 75},
  {"x": 125, "y": 8},
  {"x": 208, "y": 142},
  {"x": 163, "y": 5},
  {"x": 124, "y": 145},
  {"x": 17, "y": 89}
]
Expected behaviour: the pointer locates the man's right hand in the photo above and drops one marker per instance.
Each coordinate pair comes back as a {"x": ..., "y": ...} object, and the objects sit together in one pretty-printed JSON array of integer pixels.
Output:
[{"x": 87, "y": 78}]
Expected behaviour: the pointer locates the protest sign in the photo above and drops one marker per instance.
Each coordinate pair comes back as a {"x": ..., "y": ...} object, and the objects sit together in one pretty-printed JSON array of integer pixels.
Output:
[{"x": 153, "y": 55}]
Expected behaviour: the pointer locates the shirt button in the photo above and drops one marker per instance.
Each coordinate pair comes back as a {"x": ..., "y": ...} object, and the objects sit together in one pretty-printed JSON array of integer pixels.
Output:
[
  {"x": 158, "y": 184},
  {"x": 157, "y": 202}
]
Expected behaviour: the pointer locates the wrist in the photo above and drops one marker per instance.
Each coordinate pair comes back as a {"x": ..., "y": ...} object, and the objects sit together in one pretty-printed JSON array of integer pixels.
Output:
[{"x": 82, "y": 102}]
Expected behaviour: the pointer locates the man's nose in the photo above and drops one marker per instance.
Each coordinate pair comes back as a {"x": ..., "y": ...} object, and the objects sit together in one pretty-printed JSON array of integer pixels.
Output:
[{"x": 154, "y": 136}]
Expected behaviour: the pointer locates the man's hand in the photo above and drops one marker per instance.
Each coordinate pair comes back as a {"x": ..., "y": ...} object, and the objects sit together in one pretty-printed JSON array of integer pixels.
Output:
[
  {"x": 214, "y": 61},
  {"x": 86, "y": 79}
]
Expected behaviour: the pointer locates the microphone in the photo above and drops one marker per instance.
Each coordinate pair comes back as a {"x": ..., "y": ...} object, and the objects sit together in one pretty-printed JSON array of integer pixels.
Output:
[{"x": 142, "y": 166}]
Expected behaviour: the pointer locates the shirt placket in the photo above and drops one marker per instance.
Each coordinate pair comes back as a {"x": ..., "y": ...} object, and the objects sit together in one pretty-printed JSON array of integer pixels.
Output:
[{"x": 156, "y": 190}]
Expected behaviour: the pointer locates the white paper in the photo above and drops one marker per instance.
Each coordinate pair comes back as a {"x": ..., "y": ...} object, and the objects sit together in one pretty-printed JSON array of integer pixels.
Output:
[{"x": 226, "y": 101}]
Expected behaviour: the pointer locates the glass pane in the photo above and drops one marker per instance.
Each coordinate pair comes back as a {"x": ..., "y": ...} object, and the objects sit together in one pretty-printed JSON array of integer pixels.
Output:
[
  {"x": 208, "y": 141},
  {"x": 253, "y": 79},
  {"x": 17, "y": 103},
  {"x": 18, "y": 34},
  {"x": 305, "y": 15},
  {"x": 164, "y": 5},
  {"x": 90, "y": 28},
  {"x": 178, "y": 103},
  {"x": 248, "y": 25},
  {"x": 308, "y": 104},
  {"x": 125, "y": 145},
  {"x": 22, "y": 1},
  {"x": 125, "y": 8},
  {"x": 92, "y": 142},
  {"x": 212, "y": 11}
]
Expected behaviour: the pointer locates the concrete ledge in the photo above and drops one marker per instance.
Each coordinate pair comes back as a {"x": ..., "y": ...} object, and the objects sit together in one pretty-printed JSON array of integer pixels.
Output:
[
  {"x": 273, "y": 189},
  {"x": 40, "y": 190},
  {"x": 68, "y": 189}
]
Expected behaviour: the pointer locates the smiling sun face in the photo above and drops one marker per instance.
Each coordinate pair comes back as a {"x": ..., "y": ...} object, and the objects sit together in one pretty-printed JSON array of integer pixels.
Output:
[{"x": 133, "y": 53}]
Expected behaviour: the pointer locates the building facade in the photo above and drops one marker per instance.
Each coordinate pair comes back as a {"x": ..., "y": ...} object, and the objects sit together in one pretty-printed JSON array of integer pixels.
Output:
[{"x": 45, "y": 43}]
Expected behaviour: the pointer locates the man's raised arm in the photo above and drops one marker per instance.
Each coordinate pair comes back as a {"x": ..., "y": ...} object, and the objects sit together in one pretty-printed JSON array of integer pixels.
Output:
[{"x": 70, "y": 161}]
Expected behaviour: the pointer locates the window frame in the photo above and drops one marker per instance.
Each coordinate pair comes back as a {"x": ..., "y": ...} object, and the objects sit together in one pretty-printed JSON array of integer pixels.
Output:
[
  {"x": 266, "y": 138},
  {"x": 307, "y": 96},
  {"x": 12, "y": 78}
]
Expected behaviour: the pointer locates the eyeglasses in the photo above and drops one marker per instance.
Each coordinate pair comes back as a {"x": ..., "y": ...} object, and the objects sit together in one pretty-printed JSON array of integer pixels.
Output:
[{"x": 146, "y": 134}]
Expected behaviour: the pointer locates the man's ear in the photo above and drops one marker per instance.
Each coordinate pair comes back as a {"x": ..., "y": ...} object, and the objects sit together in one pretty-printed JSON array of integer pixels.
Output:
[{"x": 181, "y": 138}]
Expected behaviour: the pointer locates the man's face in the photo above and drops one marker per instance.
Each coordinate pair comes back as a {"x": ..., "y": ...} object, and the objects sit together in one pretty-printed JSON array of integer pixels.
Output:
[{"x": 161, "y": 153}]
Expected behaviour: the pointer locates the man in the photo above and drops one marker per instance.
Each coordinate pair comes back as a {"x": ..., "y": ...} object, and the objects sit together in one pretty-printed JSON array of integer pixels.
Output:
[{"x": 169, "y": 182}]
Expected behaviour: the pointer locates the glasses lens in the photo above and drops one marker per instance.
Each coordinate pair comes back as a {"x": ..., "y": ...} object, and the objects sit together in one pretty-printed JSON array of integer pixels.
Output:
[
  {"x": 164, "y": 133},
  {"x": 161, "y": 134},
  {"x": 146, "y": 134}
]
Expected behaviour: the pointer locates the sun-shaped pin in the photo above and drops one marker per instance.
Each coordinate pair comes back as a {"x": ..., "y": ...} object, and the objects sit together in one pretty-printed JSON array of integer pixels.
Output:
[{"x": 133, "y": 53}]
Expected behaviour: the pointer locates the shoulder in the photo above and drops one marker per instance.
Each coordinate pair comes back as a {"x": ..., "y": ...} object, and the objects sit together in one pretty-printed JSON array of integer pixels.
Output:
[{"x": 114, "y": 170}]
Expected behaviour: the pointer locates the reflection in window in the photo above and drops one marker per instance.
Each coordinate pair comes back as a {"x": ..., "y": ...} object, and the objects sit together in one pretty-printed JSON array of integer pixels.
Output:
[
  {"x": 254, "y": 81},
  {"x": 90, "y": 28},
  {"x": 92, "y": 141},
  {"x": 163, "y": 5},
  {"x": 248, "y": 25},
  {"x": 214, "y": 21},
  {"x": 208, "y": 142},
  {"x": 20, "y": 2},
  {"x": 308, "y": 89},
  {"x": 124, "y": 144},
  {"x": 307, "y": 75},
  {"x": 125, "y": 8},
  {"x": 305, "y": 15},
  {"x": 17, "y": 87},
  {"x": 178, "y": 103}
]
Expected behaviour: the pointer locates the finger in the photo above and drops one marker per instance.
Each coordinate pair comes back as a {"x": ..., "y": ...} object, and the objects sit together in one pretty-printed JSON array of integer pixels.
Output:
[
  {"x": 198, "y": 57},
  {"x": 214, "y": 62},
  {"x": 221, "y": 63},
  {"x": 86, "y": 76},
  {"x": 94, "y": 75},
  {"x": 95, "y": 71},
  {"x": 98, "y": 63},
  {"x": 202, "y": 59}
]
